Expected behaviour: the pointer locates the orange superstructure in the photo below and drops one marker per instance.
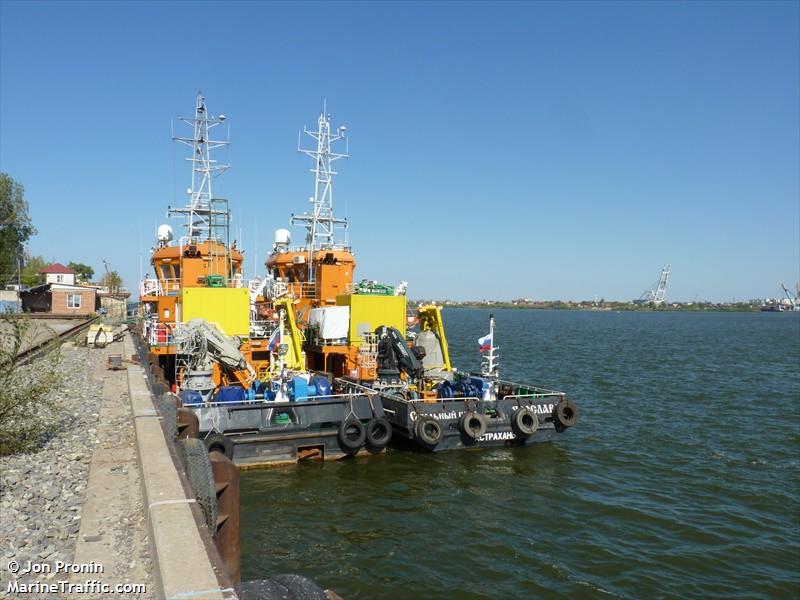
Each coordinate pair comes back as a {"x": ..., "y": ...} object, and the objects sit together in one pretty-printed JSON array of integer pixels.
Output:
[
  {"x": 199, "y": 276},
  {"x": 330, "y": 275}
]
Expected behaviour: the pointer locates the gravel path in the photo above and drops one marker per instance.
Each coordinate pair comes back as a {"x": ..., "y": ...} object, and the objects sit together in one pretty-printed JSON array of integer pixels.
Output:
[{"x": 42, "y": 494}]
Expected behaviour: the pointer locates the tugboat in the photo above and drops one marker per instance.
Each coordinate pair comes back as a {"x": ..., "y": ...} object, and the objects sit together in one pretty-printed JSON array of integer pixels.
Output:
[
  {"x": 358, "y": 334},
  {"x": 245, "y": 379},
  {"x": 438, "y": 407}
]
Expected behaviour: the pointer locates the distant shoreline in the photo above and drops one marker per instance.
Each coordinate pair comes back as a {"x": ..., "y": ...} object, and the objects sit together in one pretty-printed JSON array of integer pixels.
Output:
[{"x": 603, "y": 306}]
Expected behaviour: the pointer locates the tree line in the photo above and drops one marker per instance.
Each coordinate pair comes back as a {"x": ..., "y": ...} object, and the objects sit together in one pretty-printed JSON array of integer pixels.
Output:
[{"x": 16, "y": 228}]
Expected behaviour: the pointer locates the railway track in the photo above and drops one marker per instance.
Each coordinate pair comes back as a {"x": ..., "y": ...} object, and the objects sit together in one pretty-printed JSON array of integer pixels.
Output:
[{"x": 40, "y": 347}]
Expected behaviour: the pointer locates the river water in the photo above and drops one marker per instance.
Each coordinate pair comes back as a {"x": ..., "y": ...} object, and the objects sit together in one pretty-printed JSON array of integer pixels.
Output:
[{"x": 682, "y": 479}]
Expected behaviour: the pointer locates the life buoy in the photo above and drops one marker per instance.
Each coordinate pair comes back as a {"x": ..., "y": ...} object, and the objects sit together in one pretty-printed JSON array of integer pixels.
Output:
[
  {"x": 473, "y": 424},
  {"x": 216, "y": 442},
  {"x": 428, "y": 431},
  {"x": 566, "y": 413},
  {"x": 525, "y": 421},
  {"x": 379, "y": 432},
  {"x": 351, "y": 435}
]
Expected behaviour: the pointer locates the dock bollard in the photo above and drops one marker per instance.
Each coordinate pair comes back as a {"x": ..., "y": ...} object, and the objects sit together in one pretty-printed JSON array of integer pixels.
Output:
[{"x": 226, "y": 476}]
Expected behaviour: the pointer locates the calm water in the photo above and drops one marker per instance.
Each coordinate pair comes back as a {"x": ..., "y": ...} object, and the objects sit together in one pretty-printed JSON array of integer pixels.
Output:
[{"x": 682, "y": 479}]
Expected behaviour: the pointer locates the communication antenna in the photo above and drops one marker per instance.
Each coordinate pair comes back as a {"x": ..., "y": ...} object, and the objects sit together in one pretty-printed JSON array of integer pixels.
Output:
[
  {"x": 202, "y": 216},
  {"x": 490, "y": 363},
  {"x": 321, "y": 222}
]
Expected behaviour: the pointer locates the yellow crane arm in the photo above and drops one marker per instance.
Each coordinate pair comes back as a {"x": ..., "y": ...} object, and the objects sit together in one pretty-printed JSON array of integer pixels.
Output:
[
  {"x": 430, "y": 319},
  {"x": 294, "y": 359}
]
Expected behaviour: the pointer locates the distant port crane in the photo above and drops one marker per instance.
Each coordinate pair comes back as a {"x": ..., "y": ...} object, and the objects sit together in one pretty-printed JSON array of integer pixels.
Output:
[
  {"x": 794, "y": 300},
  {"x": 656, "y": 295}
]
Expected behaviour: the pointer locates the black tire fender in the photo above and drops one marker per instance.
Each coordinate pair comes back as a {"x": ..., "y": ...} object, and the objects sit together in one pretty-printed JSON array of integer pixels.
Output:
[
  {"x": 428, "y": 431},
  {"x": 473, "y": 424},
  {"x": 566, "y": 413},
  {"x": 379, "y": 432},
  {"x": 201, "y": 478},
  {"x": 525, "y": 421},
  {"x": 217, "y": 442},
  {"x": 165, "y": 403},
  {"x": 351, "y": 435}
]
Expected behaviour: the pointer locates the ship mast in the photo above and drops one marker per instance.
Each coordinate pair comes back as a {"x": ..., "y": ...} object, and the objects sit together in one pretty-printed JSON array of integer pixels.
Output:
[
  {"x": 205, "y": 214},
  {"x": 490, "y": 362},
  {"x": 321, "y": 222}
]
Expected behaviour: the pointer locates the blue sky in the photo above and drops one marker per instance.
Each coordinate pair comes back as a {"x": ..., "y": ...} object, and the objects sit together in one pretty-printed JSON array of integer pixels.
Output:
[{"x": 560, "y": 150}]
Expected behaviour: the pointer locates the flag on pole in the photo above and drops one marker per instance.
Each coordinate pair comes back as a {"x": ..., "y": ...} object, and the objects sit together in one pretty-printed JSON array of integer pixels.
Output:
[
  {"x": 275, "y": 340},
  {"x": 485, "y": 342}
]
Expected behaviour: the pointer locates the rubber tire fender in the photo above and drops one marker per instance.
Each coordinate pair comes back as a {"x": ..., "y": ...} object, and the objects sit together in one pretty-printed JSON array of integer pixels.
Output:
[
  {"x": 566, "y": 413},
  {"x": 165, "y": 403},
  {"x": 428, "y": 431},
  {"x": 286, "y": 587},
  {"x": 525, "y": 421},
  {"x": 469, "y": 420},
  {"x": 201, "y": 478},
  {"x": 347, "y": 441},
  {"x": 379, "y": 432},
  {"x": 217, "y": 442}
]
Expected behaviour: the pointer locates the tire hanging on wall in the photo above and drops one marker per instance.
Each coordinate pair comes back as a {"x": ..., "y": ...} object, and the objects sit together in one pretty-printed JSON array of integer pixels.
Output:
[
  {"x": 525, "y": 421},
  {"x": 201, "y": 478},
  {"x": 379, "y": 432},
  {"x": 473, "y": 424},
  {"x": 351, "y": 435},
  {"x": 566, "y": 413},
  {"x": 216, "y": 442},
  {"x": 428, "y": 431},
  {"x": 165, "y": 403}
]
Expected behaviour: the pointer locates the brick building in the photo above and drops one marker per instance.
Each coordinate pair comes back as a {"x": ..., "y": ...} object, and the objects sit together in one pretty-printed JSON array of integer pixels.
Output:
[{"x": 60, "y": 299}]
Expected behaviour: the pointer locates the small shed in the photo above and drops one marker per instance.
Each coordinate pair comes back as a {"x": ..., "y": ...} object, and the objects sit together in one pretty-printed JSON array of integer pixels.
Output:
[
  {"x": 61, "y": 300},
  {"x": 114, "y": 303}
]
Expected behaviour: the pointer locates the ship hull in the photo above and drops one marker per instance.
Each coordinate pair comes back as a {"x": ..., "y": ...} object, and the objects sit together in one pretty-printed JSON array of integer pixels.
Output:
[
  {"x": 500, "y": 430},
  {"x": 311, "y": 430}
]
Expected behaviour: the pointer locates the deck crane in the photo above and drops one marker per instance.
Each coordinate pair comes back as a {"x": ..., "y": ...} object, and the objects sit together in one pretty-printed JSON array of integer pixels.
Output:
[{"x": 657, "y": 295}]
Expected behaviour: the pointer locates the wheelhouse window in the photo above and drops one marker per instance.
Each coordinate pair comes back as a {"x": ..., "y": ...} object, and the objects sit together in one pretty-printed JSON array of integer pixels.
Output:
[{"x": 73, "y": 301}]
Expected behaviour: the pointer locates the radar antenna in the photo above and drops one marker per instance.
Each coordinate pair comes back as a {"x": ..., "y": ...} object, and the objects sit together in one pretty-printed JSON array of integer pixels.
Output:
[
  {"x": 321, "y": 222},
  {"x": 204, "y": 212}
]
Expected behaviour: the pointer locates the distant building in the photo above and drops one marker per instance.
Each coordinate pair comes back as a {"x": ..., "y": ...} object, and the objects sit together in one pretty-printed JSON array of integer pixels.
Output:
[
  {"x": 60, "y": 299},
  {"x": 58, "y": 273},
  {"x": 114, "y": 303}
]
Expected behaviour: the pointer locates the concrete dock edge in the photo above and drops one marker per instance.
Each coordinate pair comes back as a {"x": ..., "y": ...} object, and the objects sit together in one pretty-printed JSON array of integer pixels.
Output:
[{"x": 182, "y": 566}]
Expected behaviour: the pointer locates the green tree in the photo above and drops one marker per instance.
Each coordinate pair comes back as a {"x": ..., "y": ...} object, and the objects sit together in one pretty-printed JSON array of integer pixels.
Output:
[
  {"x": 15, "y": 226},
  {"x": 26, "y": 404},
  {"x": 111, "y": 280},
  {"x": 30, "y": 272},
  {"x": 85, "y": 272}
]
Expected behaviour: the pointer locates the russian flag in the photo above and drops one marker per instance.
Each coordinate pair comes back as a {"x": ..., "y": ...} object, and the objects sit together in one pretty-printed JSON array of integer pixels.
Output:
[
  {"x": 485, "y": 342},
  {"x": 275, "y": 340}
]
